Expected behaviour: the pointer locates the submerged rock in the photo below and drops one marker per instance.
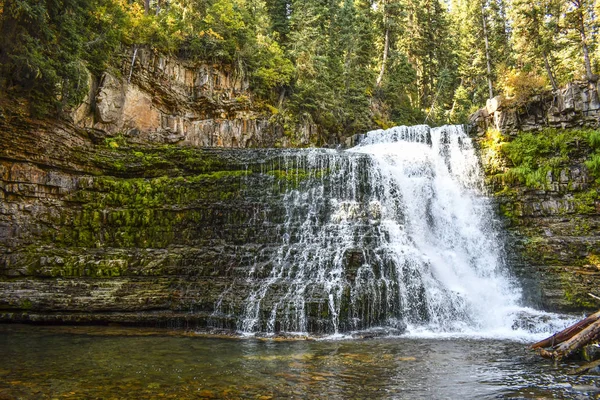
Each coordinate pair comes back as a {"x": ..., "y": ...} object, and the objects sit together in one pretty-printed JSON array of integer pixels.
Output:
[{"x": 591, "y": 352}]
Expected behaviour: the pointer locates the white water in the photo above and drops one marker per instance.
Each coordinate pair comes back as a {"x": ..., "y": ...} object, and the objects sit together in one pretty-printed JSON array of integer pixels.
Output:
[{"x": 394, "y": 233}]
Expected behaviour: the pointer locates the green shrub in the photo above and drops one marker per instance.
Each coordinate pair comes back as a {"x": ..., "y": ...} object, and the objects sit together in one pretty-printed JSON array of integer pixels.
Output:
[
  {"x": 594, "y": 139},
  {"x": 593, "y": 165},
  {"x": 531, "y": 156}
]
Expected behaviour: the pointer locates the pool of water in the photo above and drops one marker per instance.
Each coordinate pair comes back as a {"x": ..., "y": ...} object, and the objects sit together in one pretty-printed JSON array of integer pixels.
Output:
[{"x": 113, "y": 363}]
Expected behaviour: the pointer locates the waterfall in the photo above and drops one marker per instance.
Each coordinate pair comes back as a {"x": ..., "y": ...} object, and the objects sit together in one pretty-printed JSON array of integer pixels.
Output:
[{"x": 395, "y": 233}]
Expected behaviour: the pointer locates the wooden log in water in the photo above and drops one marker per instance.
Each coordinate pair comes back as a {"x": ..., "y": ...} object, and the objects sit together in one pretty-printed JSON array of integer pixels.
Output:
[
  {"x": 568, "y": 347},
  {"x": 545, "y": 353},
  {"x": 567, "y": 333},
  {"x": 585, "y": 368}
]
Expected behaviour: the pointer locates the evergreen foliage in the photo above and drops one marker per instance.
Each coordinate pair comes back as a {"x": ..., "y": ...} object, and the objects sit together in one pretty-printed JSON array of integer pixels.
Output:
[{"x": 347, "y": 65}]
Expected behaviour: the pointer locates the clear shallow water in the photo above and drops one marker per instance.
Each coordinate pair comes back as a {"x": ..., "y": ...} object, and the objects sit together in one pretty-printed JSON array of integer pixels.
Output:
[{"x": 112, "y": 363}]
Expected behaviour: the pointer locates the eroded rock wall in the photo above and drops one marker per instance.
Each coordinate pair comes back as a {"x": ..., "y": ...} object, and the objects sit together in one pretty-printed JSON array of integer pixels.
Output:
[
  {"x": 135, "y": 234},
  {"x": 575, "y": 106},
  {"x": 159, "y": 99},
  {"x": 554, "y": 240},
  {"x": 553, "y": 230}
]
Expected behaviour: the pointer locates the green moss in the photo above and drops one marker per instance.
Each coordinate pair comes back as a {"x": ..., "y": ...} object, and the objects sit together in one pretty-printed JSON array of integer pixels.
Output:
[
  {"x": 534, "y": 149},
  {"x": 593, "y": 137},
  {"x": 530, "y": 158},
  {"x": 76, "y": 267},
  {"x": 26, "y": 304},
  {"x": 116, "y": 141},
  {"x": 291, "y": 177},
  {"x": 586, "y": 202},
  {"x": 582, "y": 227},
  {"x": 536, "y": 178},
  {"x": 507, "y": 209},
  {"x": 580, "y": 300},
  {"x": 593, "y": 165},
  {"x": 142, "y": 212}
]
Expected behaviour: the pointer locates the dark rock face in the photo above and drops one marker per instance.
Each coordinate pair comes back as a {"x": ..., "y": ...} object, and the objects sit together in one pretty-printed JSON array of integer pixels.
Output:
[
  {"x": 554, "y": 233},
  {"x": 159, "y": 235},
  {"x": 153, "y": 235},
  {"x": 96, "y": 229},
  {"x": 553, "y": 243}
]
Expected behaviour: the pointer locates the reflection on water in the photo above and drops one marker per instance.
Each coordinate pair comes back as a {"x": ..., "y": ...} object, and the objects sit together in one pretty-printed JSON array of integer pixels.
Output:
[{"x": 108, "y": 363}]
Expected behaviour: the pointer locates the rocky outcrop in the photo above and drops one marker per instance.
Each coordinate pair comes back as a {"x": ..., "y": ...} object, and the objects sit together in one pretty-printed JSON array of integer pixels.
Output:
[
  {"x": 169, "y": 100},
  {"x": 554, "y": 228},
  {"x": 575, "y": 106},
  {"x": 554, "y": 241},
  {"x": 95, "y": 232}
]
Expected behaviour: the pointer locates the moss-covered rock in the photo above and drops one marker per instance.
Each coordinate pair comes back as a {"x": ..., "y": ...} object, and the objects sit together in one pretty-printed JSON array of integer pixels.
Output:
[
  {"x": 118, "y": 232},
  {"x": 549, "y": 196}
]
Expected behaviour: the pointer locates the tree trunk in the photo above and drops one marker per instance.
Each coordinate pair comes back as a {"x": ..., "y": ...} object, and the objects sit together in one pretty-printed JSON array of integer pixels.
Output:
[
  {"x": 585, "y": 368},
  {"x": 586, "y": 55},
  {"x": 567, "y": 333},
  {"x": 146, "y": 7},
  {"x": 586, "y": 58},
  {"x": 386, "y": 47},
  {"x": 135, "y": 50},
  {"x": 487, "y": 51},
  {"x": 576, "y": 342},
  {"x": 281, "y": 97},
  {"x": 549, "y": 71}
]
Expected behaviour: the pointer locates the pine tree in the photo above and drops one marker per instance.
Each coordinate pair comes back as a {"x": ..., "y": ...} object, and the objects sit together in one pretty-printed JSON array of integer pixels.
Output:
[
  {"x": 580, "y": 19},
  {"x": 46, "y": 47},
  {"x": 534, "y": 27},
  {"x": 428, "y": 48}
]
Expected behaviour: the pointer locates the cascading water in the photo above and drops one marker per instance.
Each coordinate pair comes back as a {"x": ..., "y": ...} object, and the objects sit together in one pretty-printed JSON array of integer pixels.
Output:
[{"x": 394, "y": 233}]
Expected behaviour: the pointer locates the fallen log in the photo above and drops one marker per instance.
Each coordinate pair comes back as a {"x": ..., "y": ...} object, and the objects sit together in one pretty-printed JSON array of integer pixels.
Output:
[
  {"x": 567, "y": 333},
  {"x": 585, "y": 368},
  {"x": 568, "y": 347}
]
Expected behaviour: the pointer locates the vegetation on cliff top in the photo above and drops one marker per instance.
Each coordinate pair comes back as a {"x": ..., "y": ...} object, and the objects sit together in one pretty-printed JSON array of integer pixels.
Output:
[
  {"x": 563, "y": 161},
  {"x": 347, "y": 65},
  {"x": 531, "y": 157}
]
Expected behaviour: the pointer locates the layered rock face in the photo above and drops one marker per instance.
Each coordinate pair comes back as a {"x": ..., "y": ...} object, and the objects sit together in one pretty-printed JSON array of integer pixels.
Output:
[
  {"x": 554, "y": 240},
  {"x": 157, "y": 99},
  {"x": 99, "y": 227},
  {"x": 144, "y": 235},
  {"x": 554, "y": 232},
  {"x": 159, "y": 235},
  {"x": 575, "y": 106}
]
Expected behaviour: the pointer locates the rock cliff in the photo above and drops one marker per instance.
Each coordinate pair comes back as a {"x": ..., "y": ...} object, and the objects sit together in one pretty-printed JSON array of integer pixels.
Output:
[
  {"x": 111, "y": 231},
  {"x": 551, "y": 202},
  {"x": 110, "y": 220},
  {"x": 118, "y": 233},
  {"x": 160, "y": 99},
  {"x": 577, "y": 105}
]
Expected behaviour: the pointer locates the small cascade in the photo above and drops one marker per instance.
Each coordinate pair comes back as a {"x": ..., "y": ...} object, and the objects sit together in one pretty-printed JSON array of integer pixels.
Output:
[{"x": 394, "y": 233}]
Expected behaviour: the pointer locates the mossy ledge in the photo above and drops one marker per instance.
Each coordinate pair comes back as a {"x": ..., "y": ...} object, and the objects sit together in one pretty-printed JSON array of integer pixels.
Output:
[
  {"x": 547, "y": 187},
  {"x": 108, "y": 231}
]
